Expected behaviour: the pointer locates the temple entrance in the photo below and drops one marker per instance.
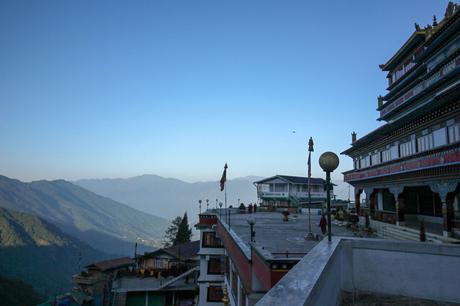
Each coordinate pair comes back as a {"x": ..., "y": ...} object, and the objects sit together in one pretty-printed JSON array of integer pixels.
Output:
[{"x": 420, "y": 203}]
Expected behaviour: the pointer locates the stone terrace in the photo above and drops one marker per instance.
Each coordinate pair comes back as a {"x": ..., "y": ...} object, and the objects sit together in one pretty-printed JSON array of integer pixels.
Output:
[{"x": 275, "y": 236}]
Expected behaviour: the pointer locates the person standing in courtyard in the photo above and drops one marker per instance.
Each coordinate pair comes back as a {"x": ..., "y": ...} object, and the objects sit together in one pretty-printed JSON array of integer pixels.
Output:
[{"x": 323, "y": 224}]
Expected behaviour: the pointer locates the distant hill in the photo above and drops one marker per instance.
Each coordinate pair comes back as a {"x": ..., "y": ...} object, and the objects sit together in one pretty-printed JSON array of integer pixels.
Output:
[
  {"x": 169, "y": 197},
  {"x": 15, "y": 292},
  {"x": 101, "y": 222},
  {"x": 40, "y": 254}
]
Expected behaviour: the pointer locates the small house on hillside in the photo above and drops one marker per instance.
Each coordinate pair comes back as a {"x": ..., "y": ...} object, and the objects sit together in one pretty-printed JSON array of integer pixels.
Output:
[{"x": 164, "y": 277}]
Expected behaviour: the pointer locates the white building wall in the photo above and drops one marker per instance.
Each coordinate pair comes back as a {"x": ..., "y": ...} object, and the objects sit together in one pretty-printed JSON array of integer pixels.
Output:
[{"x": 205, "y": 280}]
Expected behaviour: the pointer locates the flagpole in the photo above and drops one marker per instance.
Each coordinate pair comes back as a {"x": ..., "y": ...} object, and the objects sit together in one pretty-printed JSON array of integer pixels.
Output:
[
  {"x": 309, "y": 195},
  {"x": 310, "y": 235}
]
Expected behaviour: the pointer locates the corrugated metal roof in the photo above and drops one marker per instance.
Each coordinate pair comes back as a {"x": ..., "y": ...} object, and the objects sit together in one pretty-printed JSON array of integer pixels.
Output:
[{"x": 295, "y": 179}]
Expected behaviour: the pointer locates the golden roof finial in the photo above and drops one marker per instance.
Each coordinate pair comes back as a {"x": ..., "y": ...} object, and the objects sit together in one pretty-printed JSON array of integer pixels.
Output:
[{"x": 450, "y": 9}]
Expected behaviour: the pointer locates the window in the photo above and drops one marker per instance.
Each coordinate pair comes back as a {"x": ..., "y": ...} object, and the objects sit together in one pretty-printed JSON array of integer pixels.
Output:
[
  {"x": 365, "y": 161},
  {"x": 210, "y": 240},
  {"x": 215, "y": 265},
  {"x": 394, "y": 152},
  {"x": 454, "y": 133},
  {"x": 316, "y": 188},
  {"x": 242, "y": 296},
  {"x": 375, "y": 159},
  {"x": 280, "y": 187},
  {"x": 425, "y": 143},
  {"x": 405, "y": 149},
  {"x": 386, "y": 155},
  {"x": 234, "y": 284},
  {"x": 215, "y": 294},
  {"x": 439, "y": 137},
  {"x": 227, "y": 268}
]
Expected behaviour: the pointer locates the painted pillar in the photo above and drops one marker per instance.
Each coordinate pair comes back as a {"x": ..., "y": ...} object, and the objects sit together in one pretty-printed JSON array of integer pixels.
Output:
[
  {"x": 370, "y": 204},
  {"x": 399, "y": 204},
  {"x": 443, "y": 189},
  {"x": 357, "y": 200}
]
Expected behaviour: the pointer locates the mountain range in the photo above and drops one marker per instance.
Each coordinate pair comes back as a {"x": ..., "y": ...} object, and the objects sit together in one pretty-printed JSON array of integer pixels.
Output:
[
  {"x": 170, "y": 197},
  {"x": 103, "y": 223},
  {"x": 40, "y": 254}
]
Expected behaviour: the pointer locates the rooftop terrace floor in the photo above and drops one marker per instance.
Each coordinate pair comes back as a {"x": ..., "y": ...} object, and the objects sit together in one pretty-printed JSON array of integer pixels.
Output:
[{"x": 277, "y": 236}]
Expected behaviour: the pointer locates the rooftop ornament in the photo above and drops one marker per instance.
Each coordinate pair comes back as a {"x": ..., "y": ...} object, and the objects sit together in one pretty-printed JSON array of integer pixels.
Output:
[{"x": 328, "y": 161}]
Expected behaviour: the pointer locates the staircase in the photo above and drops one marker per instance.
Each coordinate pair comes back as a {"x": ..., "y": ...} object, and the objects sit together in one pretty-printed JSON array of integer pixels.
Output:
[
  {"x": 404, "y": 233},
  {"x": 294, "y": 200}
]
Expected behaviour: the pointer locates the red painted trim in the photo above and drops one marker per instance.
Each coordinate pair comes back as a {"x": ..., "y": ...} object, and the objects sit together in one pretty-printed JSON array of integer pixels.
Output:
[
  {"x": 409, "y": 165},
  {"x": 262, "y": 271},
  {"x": 445, "y": 70},
  {"x": 242, "y": 264},
  {"x": 207, "y": 220},
  {"x": 276, "y": 276}
]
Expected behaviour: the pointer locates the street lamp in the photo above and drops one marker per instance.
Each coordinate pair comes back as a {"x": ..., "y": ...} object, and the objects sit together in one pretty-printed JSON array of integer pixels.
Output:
[
  {"x": 328, "y": 161},
  {"x": 251, "y": 223},
  {"x": 199, "y": 201}
]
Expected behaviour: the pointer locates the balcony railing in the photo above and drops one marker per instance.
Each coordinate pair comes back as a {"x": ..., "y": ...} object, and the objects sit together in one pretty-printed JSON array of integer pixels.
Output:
[
  {"x": 446, "y": 69},
  {"x": 270, "y": 194},
  {"x": 281, "y": 195}
]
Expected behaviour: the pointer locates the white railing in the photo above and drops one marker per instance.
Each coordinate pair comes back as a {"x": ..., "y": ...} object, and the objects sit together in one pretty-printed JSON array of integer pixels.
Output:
[
  {"x": 273, "y": 194},
  {"x": 293, "y": 194}
]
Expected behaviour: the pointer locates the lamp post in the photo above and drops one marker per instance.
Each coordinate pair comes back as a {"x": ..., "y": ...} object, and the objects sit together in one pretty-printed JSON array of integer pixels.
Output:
[
  {"x": 328, "y": 161},
  {"x": 251, "y": 223},
  {"x": 199, "y": 202},
  {"x": 216, "y": 202},
  {"x": 207, "y": 204}
]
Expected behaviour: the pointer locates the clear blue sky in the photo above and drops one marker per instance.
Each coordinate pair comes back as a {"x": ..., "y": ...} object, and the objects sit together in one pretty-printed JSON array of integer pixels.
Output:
[{"x": 177, "y": 88}]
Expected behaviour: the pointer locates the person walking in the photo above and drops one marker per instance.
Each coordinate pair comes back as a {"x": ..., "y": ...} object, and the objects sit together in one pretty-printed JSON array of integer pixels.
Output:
[{"x": 323, "y": 224}]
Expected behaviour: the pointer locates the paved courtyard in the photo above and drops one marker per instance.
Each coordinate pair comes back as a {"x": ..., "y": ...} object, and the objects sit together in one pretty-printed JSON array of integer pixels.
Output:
[{"x": 277, "y": 236}]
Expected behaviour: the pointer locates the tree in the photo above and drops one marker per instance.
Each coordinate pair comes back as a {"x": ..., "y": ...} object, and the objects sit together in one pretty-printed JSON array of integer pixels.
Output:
[
  {"x": 171, "y": 232},
  {"x": 184, "y": 232},
  {"x": 178, "y": 232}
]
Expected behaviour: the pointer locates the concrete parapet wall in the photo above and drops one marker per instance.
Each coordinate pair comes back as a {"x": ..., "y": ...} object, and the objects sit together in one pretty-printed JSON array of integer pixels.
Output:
[
  {"x": 412, "y": 269},
  {"x": 428, "y": 271}
]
